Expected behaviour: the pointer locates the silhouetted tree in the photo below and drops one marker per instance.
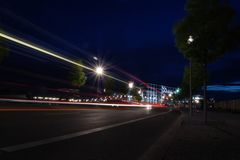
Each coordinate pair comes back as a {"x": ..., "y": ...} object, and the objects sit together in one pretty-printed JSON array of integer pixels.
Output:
[
  {"x": 209, "y": 22},
  {"x": 135, "y": 94},
  {"x": 122, "y": 88},
  {"x": 78, "y": 77},
  {"x": 108, "y": 85}
]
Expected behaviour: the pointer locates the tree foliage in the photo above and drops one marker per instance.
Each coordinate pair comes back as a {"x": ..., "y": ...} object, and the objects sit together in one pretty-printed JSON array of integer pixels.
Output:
[
  {"x": 109, "y": 85},
  {"x": 209, "y": 22},
  {"x": 78, "y": 77},
  {"x": 122, "y": 88},
  {"x": 135, "y": 94}
]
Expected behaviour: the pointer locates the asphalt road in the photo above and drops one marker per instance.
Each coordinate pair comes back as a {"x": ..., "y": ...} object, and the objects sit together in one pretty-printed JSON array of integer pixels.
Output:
[{"x": 128, "y": 141}]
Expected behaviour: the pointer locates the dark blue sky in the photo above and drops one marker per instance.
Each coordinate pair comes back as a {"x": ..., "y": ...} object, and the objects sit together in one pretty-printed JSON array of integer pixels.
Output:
[{"x": 134, "y": 35}]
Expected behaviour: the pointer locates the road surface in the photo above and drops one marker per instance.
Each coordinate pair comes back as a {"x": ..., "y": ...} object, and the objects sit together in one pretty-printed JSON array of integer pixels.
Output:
[{"x": 86, "y": 133}]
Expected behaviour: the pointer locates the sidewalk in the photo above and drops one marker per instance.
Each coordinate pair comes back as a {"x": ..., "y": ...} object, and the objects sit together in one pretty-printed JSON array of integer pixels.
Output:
[{"x": 218, "y": 140}]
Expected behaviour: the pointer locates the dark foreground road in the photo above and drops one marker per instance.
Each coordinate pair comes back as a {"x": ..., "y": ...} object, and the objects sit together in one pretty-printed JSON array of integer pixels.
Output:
[{"x": 126, "y": 141}]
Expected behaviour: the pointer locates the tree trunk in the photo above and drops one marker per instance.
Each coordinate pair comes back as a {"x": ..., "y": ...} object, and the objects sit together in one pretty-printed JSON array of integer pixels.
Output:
[{"x": 205, "y": 94}]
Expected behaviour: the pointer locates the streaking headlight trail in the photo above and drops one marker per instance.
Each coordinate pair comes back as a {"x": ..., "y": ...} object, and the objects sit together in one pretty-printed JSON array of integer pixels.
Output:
[
  {"x": 147, "y": 106},
  {"x": 51, "y": 53}
]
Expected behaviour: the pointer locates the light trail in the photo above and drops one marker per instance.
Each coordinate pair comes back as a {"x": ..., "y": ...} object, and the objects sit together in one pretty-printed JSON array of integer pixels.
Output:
[
  {"x": 79, "y": 103},
  {"x": 51, "y": 53}
]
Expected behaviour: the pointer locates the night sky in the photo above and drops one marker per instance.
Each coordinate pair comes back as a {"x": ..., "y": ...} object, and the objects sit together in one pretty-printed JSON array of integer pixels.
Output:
[{"x": 133, "y": 35}]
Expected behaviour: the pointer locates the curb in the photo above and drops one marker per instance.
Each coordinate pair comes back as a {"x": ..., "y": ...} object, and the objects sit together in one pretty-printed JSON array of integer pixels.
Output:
[{"x": 159, "y": 149}]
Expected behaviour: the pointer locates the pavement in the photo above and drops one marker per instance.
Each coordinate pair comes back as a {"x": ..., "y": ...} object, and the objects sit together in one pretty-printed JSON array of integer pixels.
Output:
[{"x": 219, "y": 139}]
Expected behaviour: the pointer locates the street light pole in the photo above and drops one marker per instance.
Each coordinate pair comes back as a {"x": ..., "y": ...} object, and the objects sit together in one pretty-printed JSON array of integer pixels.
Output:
[
  {"x": 190, "y": 88},
  {"x": 130, "y": 86},
  {"x": 190, "y": 40},
  {"x": 99, "y": 71}
]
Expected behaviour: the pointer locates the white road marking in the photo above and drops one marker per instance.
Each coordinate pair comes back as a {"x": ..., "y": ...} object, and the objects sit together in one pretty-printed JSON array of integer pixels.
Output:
[{"x": 27, "y": 145}]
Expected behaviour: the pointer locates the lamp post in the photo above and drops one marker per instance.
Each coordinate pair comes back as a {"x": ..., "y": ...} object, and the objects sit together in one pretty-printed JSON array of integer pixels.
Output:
[
  {"x": 99, "y": 71},
  {"x": 130, "y": 87},
  {"x": 190, "y": 41}
]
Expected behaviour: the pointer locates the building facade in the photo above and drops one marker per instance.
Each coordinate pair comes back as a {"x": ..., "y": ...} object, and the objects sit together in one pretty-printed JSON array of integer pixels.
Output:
[{"x": 154, "y": 93}]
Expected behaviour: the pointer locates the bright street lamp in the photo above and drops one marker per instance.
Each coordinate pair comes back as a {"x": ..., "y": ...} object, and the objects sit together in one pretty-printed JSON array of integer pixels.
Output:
[
  {"x": 99, "y": 70},
  {"x": 140, "y": 91},
  {"x": 130, "y": 85},
  {"x": 177, "y": 90},
  {"x": 190, "y": 40}
]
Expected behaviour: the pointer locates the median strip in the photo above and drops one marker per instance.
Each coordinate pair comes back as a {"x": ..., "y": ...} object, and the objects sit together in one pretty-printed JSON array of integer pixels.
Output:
[{"x": 71, "y": 135}]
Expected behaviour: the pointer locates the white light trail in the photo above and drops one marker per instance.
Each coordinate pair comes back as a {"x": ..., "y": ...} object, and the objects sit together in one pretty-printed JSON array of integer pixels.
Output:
[
  {"x": 80, "y": 103},
  {"x": 51, "y": 53},
  {"x": 32, "y": 46}
]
